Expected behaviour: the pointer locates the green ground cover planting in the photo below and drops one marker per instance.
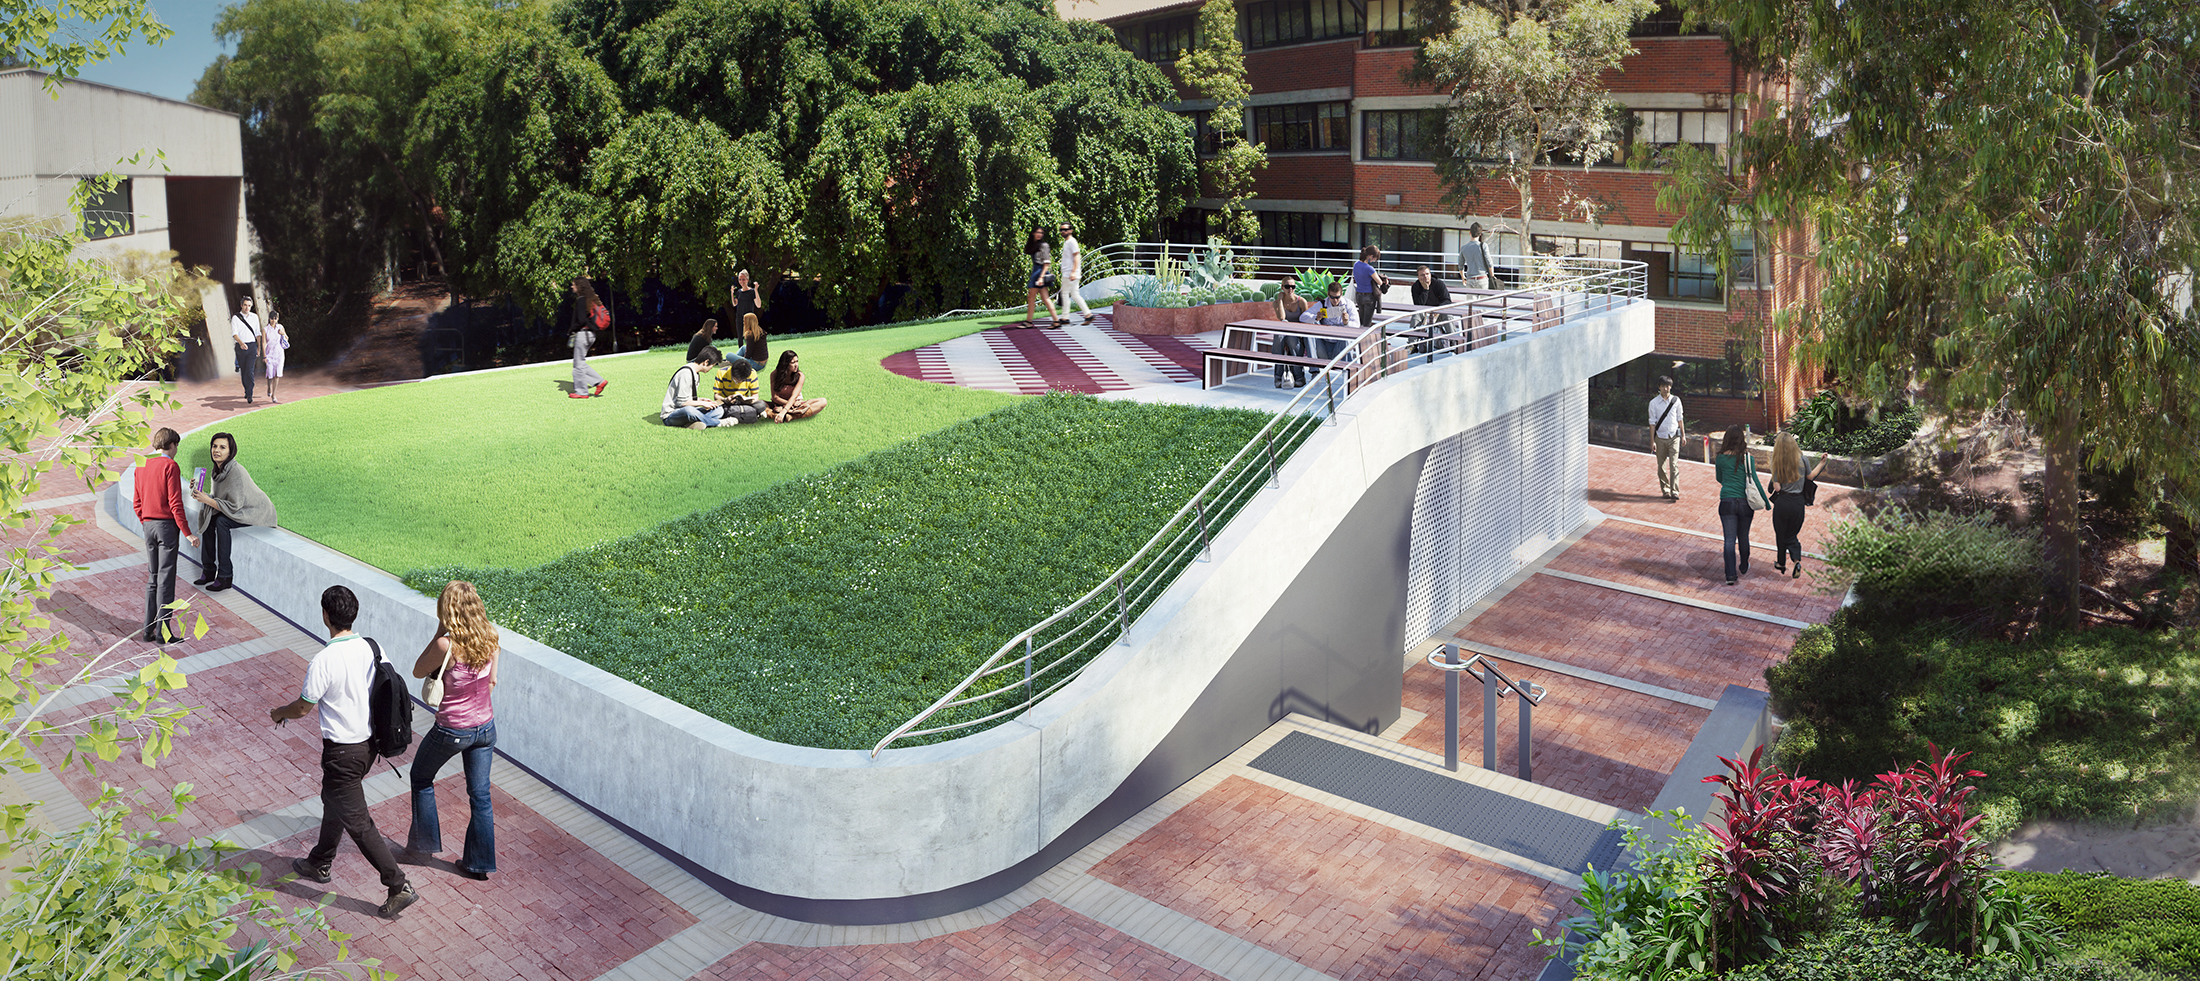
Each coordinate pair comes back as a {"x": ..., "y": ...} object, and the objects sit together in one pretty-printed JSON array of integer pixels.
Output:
[
  {"x": 828, "y": 609},
  {"x": 2153, "y": 924},
  {"x": 501, "y": 469}
]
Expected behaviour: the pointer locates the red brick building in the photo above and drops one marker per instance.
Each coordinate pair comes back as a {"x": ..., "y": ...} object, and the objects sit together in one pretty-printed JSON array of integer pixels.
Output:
[{"x": 1350, "y": 146}]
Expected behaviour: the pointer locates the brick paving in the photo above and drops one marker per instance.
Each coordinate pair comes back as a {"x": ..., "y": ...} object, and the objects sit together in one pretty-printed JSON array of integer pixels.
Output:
[
  {"x": 1684, "y": 565},
  {"x": 1633, "y": 637},
  {"x": 1607, "y": 744},
  {"x": 1347, "y": 897},
  {"x": 1041, "y": 941},
  {"x": 1625, "y": 484}
]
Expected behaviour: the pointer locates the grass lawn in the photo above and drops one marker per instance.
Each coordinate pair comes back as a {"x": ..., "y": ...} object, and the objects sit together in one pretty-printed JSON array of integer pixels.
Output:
[
  {"x": 828, "y": 609},
  {"x": 500, "y": 469}
]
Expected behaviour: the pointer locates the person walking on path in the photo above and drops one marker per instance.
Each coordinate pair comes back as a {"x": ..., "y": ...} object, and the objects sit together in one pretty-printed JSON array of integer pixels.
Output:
[
  {"x": 234, "y": 501},
  {"x": 337, "y": 681},
  {"x": 1737, "y": 471},
  {"x": 1368, "y": 286},
  {"x": 275, "y": 341},
  {"x": 1667, "y": 422},
  {"x": 589, "y": 313},
  {"x": 1474, "y": 259},
  {"x": 463, "y": 653},
  {"x": 1792, "y": 490},
  {"x": 158, "y": 495},
  {"x": 1073, "y": 272},
  {"x": 1035, "y": 285},
  {"x": 244, "y": 329}
]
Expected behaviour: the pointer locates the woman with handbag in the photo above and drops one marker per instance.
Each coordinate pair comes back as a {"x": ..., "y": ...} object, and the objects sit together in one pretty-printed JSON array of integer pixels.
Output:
[
  {"x": 1039, "y": 285},
  {"x": 1792, "y": 491},
  {"x": 460, "y": 665},
  {"x": 1737, "y": 477}
]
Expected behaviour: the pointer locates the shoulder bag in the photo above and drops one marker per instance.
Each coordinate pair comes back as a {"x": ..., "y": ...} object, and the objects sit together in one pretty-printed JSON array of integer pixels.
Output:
[
  {"x": 431, "y": 687},
  {"x": 1753, "y": 489}
]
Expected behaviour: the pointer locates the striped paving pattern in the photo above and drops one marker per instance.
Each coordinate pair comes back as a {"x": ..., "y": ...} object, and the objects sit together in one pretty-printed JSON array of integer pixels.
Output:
[{"x": 1092, "y": 358}]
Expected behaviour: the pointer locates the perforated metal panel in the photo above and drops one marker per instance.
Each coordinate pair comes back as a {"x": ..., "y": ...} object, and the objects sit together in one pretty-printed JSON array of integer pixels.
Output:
[{"x": 1491, "y": 499}]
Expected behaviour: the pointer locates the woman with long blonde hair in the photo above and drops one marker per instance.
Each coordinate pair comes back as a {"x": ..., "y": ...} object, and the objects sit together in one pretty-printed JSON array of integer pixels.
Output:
[
  {"x": 1791, "y": 492},
  {"x": 463, "y": 656}
]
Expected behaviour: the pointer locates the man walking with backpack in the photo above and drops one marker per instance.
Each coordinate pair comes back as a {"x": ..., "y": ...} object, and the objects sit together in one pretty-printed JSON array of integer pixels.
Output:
[{"x": 338, "y": 682}]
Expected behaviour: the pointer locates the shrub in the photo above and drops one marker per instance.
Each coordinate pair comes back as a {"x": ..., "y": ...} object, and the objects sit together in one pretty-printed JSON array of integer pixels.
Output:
[
  {"x": 1619, "y": 405},
  {"x": 827, "y": 610},
  {"x": 1937, "y": 562},
  {"x": 1823, "y": 425},
  {"x": 2104, "y": 723},
  {"x": 2146, "y": 923},
  {"x": 1867, "y": 951},
  {"x": 1648, "y": 921}
]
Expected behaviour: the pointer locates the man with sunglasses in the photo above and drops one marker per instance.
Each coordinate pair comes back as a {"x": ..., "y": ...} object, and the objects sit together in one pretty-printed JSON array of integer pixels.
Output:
[{"x": 1073, "y": 272}]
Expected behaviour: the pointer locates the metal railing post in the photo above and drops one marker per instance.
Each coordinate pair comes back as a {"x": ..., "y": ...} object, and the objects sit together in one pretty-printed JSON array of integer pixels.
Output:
[
  {"x": 1329, "y": 388},
  {"x": 1122, "y": 609},
  {"x": 1027, "y": 667},
  {"x": 1527, "y": 707},
  {"x": 1451, "y": 710},
  {"x": 1489, "y": 716},
  {"x": 1205, "y": 551},
  {"x": 1269, "y": 444}
]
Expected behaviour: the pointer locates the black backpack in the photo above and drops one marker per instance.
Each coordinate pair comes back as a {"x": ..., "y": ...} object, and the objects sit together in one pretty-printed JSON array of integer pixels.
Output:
[{"x": 389, "y": 708}]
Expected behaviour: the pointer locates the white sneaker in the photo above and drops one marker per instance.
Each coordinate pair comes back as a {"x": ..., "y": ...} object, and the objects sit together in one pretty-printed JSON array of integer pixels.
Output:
[{"x": 698, "y": 424}]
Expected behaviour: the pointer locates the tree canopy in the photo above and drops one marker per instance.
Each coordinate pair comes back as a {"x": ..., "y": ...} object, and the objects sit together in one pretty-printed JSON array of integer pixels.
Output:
[
  {"x": 2003, "y": 196},
  {"x": 857, "y": 143}
]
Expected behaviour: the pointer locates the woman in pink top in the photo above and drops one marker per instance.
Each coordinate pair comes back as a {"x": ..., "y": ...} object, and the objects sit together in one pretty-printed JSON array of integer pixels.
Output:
[{"x": 465, "y": 651}]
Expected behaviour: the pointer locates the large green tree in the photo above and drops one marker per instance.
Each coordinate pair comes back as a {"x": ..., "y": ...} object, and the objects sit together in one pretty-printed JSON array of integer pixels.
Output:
[
  {"x": 1215, "y": 69},
  {"x": 1526, "y": 80},
  {"x": 2003, "y": 195}
]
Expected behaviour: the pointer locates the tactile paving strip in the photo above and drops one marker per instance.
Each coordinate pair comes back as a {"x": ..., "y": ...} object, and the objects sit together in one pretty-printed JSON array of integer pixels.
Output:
[{"x": 1529, "y": 830}]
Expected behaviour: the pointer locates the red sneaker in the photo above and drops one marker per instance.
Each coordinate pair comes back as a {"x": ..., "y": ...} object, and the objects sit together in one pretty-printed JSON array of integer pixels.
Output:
[
  {"x": 599, "y": 387},
  {"x": 576, "y": 395}
]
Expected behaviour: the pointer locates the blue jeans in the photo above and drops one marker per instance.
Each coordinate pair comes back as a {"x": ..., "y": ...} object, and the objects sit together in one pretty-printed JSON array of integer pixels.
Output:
[
  {"x": 1734, "y": 519},
  {"x": 480, "y": 854},
  {"x": 688, "y": 414}
]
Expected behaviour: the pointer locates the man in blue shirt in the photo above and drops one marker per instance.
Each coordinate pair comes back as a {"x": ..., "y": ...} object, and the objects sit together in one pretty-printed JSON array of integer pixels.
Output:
[{"x": 1367, "y": 286}]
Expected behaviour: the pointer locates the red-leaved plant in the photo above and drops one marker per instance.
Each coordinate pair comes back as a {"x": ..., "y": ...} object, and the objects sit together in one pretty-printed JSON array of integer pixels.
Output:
[{"x": 1904, "y": 843}]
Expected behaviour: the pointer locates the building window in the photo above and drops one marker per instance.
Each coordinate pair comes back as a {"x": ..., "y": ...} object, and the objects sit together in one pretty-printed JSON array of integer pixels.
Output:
[
  {"x": 1665, "y": 22},
  {"x": 1657, "y": 127},
  {"x": 1284, "y": 229},
  {"x": 1682, "y": 275},
  {"x": 1733, "y": 376},
  {"x": 1745, "y": 257},
  {"x": 1314, "y": 126},
  {"x": 1402, "y": 238},
  {"x": 1392, "y": 23},
  {"x": 1205, "y": 141},
  {"x": 1576, "y": 247},
  {"x": 108, "y": 214},
  {"x": 1401, "y": 134},
  {"x": 1164, "y": 39},
  {"x": 1272, "y": 22}
]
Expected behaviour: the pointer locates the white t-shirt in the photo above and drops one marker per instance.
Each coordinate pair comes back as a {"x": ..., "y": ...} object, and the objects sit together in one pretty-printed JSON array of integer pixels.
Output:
[
  {"x": 1672, "y": 425},
  {"x": 681, "y": 390},
  {"x": 1071, "y": 268},
  {"x": 245, "y": 327},
  {"x": 337, "y": 682}
]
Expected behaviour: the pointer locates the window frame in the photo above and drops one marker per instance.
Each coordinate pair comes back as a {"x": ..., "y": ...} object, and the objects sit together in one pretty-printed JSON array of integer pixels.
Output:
[
  {"x": 1427, "y": 125},
  {"x": 116, "y": 209},
  {"x": 1316, "y": 117}
]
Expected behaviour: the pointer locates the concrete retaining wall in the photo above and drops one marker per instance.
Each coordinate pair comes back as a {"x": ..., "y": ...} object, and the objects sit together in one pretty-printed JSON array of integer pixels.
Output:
[{"x": 837, "y": 836}]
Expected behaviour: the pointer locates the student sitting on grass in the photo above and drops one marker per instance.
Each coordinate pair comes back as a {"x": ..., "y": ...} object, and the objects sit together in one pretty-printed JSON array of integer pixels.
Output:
[
  {"x": 737, "y": 400},
  {"x": 787, "y": 401},
  {"x": 684, "y": 405}
]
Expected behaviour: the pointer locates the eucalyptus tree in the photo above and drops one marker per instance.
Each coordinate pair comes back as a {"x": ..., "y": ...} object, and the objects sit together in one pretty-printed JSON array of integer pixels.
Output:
[
  {"x": 1526, "y": 84},
  {"x": 1215, "y": 69},
  {"x": 2002, "y": 195}
]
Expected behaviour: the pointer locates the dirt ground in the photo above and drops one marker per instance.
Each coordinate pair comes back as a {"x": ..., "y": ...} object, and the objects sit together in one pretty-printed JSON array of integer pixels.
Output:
[{"x": 388, "y": 348}]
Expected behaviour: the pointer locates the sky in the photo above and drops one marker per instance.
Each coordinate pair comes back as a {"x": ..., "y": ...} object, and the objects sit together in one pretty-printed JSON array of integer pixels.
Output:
[{"x": 171, "y": 70}]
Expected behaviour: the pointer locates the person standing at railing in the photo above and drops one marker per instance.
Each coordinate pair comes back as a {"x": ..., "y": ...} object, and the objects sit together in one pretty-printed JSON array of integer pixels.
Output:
[
  {"x": 1290, "y": 307},
  {"x": 1368, "y": 286},
  {"x": 1429, "y": 291},
  {"x": 1474, "y": 259},
  {"x": 1667, "y": 422},
  {"x": 1073, "y": 272}
]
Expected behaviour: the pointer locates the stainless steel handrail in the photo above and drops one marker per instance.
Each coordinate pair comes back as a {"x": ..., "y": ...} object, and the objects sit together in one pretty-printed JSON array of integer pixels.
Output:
[
  {"x": 1494, "y": 686},
  {"x": 1559, "y": 290}
]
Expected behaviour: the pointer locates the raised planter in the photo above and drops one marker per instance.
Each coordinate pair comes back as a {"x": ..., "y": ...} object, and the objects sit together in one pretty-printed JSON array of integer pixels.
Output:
[
  {"x": 1187, "y": 320},
  {"x": 1876, "y": 471}
]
